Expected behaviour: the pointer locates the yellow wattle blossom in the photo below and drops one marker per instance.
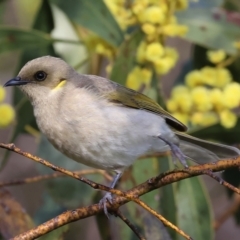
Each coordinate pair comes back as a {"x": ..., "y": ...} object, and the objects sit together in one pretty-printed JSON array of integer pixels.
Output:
[
  {"x": 138, "y": 77},
  {"x": 153, "y": 14},
  {"x": 178, "y": 90},
  {"x": 149, "y": 28},
  {"x": 172, "y": 105},
  {"x": 180, "y": 100},
  {"x": 223, "y": 77},
  {"x": 139, "y": 6},
  {"x": 2, "y": 93},
  {"x": 174, "y": 30},
  {"x": 204, "y": 118},
  {"x": 104, "y": 50},
  {"x": 141, "y": 52},
  {"x": 231, "y": 95},
  {"x": 200, "y": 99},
  {"x": 182, "y": 117},
  {"x": 216, "y": 56},
  {"x": 154, "y": 51},
  {"x": 228, "y": 119},
  {"x": 7, "y": 115},
  {"x": 209, "y": 76},
  {"x": 194, "y": 78},
  {"x": 168, "y": 61},
  {"x": 217, "y": 98},
  {"x": 119, "y": 11},
  {"x": 163, "y": 65}
]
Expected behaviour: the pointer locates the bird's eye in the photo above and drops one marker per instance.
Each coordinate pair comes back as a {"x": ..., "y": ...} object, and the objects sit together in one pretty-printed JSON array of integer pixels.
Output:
[{"x": 40, "y": 76}]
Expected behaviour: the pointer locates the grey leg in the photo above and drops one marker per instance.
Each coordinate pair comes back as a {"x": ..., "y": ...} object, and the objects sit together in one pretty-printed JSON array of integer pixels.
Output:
[
  {"x": 176, "y": 151},
  {"x": 108, "y": 195}
]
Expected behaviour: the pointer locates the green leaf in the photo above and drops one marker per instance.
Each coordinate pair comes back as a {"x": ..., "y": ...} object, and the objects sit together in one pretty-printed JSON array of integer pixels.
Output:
[
  {"x": 23, "y": 107},
  {"x": 187, "y": 202},
  {"x": 210, "y": 30},
  {"x": 16, "y": 38},
  {"x": 194, "y": 212},
  {"x": 168, "y": 204},
  {"x": 141, "y": 171},
  {"x": 95, "y": 16},
  {"x": 125, "y": 61}
]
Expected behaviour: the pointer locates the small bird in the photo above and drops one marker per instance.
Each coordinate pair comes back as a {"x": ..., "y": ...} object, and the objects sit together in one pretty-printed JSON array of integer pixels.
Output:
[{"x": 102, "y": 124}]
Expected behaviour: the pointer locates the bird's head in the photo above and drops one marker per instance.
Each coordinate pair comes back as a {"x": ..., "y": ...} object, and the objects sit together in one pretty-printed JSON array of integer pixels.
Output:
[{"x": 42, "y": 75}]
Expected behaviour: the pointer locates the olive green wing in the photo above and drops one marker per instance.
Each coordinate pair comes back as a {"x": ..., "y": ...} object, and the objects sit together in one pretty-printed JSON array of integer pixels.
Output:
[
  {"x": 119, "y": 94},
  {"x": 133, "y": 99}
]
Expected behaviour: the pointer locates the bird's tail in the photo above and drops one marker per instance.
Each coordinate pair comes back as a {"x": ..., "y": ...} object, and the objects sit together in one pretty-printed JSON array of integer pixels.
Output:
[{"x": 201, "y": 151}]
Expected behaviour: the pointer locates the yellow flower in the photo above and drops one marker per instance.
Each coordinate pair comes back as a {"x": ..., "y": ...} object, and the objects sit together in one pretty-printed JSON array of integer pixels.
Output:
[
  {"x": 139, "y": 77},
  {"x": 7, "y": 115},
  {"x": 209, "y": 75},
  {"x": 139, "y": 6},
  {"x": 153, "y": 14},
  {"x": 180, "y": 95},
  {"x": 172, "y": 105},
  {"x": 217, "y": 98},
  {"x": 181, "y": 4},
  {"x": 173, "y": 30},
  {"x": 231, "y": 95},
  {"x": 154, "y": 51},
  {"x": 148, "y": 28},
  {"x": 179, "y": 90},
  {"x": 104, "y": 50},
  {"x": 216, "y": 56},
  {"x": 197, "y": 118},
  {"x": 163, "y": 65},
  {"x": 201, "y": 99},
  {"x": 194, "y": 78},
  {"x": 204, "y": 119},
  {"x": 182, "y": 117},
  {"x": 141, "y": 52},
  {"x": 223, "y": 77},
  {"x": 228, "y": 119},
  {"x": 2, "y": 93}
]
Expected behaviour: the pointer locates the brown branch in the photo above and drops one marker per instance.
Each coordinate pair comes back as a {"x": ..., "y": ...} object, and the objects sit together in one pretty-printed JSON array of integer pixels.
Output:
[
  {"x": 131, "y": 226},
  {"x": 161, "y": 218},
  {"x": 54, "y": 175},
  {"x": 123, "y": 197}
]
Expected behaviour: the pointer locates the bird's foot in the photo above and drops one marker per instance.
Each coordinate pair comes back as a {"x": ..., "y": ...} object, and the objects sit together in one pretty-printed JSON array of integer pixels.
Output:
[
  {"x": 176, "y": 152},
  {"x": 103, "y": 202}
]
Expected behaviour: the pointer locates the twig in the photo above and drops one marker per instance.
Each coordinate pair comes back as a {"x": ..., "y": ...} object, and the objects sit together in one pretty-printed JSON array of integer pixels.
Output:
[
  {"x": 122, "y": 198},
  {"x": 161, "y": 218},
  {"x": 134, "y": 229},
  {"x": 54, "y": 175}
]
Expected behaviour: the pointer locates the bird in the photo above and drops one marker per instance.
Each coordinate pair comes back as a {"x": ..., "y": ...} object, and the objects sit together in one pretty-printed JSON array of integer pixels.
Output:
[{"x": 104, "y": 125}]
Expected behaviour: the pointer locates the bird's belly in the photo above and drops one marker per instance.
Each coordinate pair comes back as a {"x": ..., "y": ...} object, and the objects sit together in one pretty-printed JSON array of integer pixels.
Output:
[{"x": 109, "y": 139}]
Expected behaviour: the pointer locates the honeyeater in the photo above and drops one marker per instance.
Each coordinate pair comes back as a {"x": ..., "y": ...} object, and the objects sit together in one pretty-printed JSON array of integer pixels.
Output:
[{"x": 102, "y": 124}]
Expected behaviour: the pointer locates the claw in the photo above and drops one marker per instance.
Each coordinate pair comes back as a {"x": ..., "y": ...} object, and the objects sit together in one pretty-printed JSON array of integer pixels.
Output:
[{"x": 103, "y": 202}]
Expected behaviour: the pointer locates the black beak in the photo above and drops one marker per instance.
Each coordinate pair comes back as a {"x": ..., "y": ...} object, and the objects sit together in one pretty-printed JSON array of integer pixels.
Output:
[{"x": 15, "y": 82}]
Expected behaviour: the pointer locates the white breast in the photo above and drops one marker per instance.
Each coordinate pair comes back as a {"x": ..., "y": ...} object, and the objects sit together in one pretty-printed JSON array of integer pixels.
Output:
[{"x": 100, "y": 134}]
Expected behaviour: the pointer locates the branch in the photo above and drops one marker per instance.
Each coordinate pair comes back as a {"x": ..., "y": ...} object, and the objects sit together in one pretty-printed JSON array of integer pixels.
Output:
[
  {"x": 131, "y": 226},
  {"x": 53, "y": 175},
  {"x": 123, "y": 197}
]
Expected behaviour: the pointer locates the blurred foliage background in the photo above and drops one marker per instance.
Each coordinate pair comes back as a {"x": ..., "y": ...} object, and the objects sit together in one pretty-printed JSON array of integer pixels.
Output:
[{"x": 184, "y": 54}]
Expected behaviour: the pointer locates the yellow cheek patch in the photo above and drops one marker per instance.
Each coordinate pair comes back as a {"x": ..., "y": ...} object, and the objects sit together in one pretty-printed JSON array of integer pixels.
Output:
[{"x": 60, "y": 85}]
